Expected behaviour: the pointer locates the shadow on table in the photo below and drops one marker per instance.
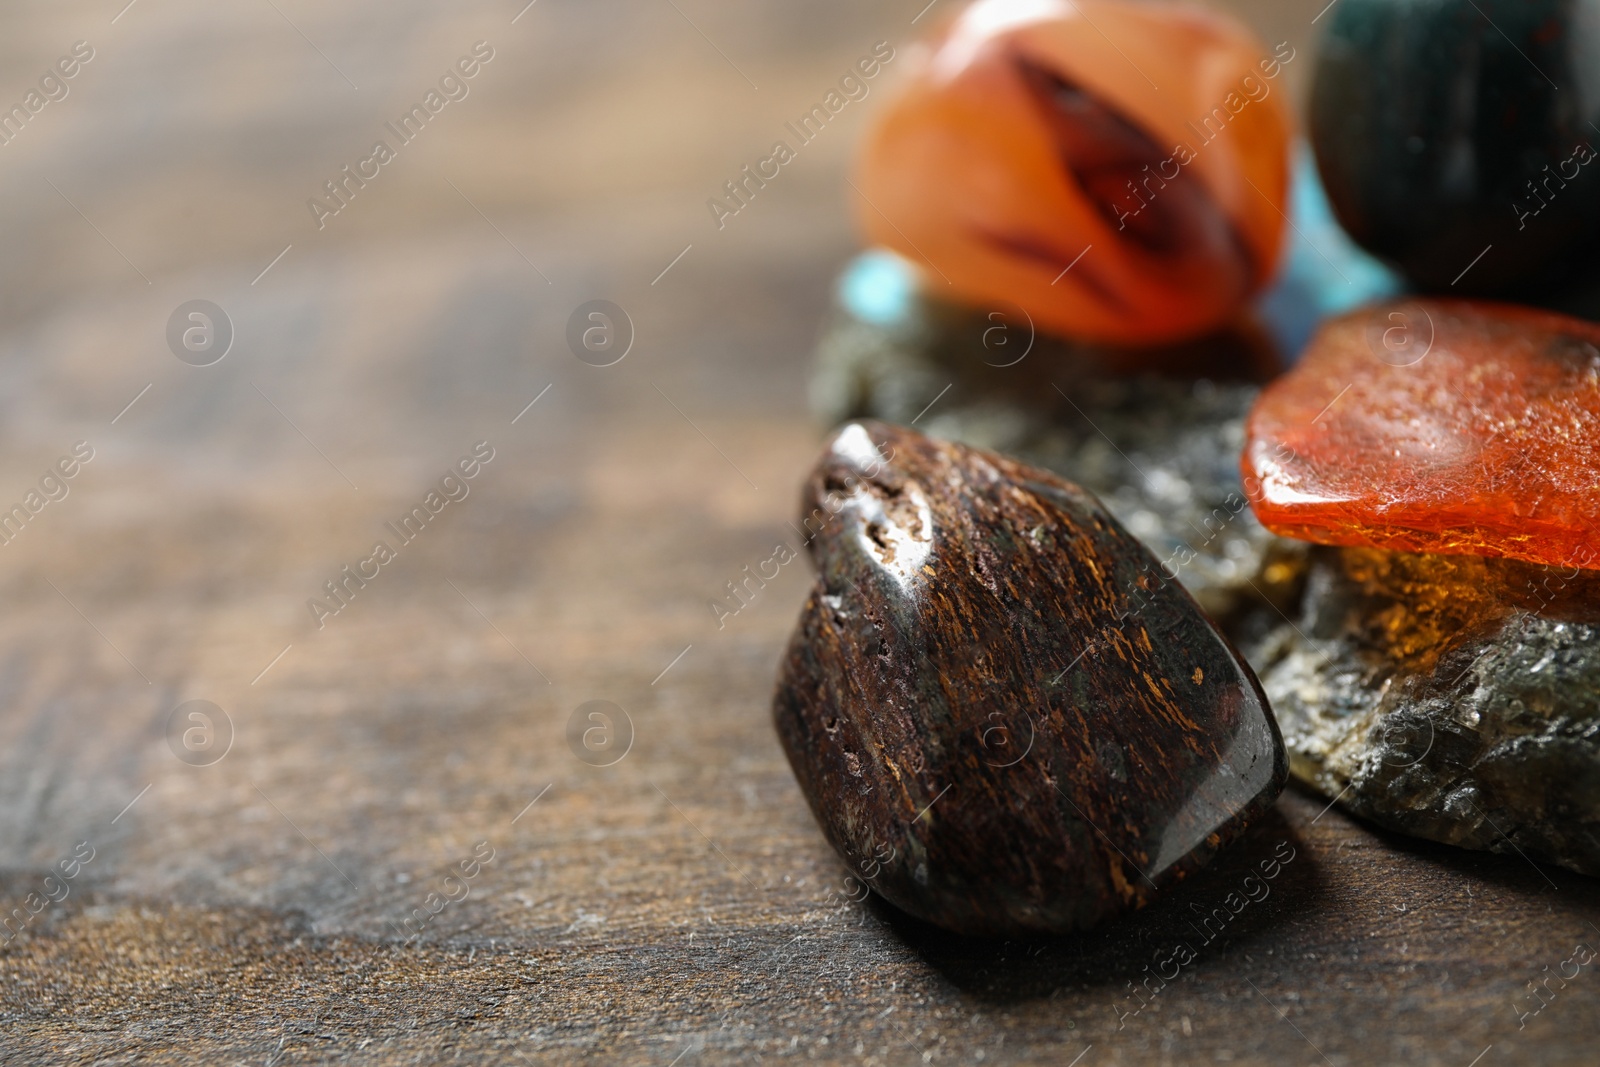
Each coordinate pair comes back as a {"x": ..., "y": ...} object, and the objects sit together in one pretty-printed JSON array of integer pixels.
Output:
[
  {"x": 1229, "y": 906},
  {"x": 1508, "y": 873}
]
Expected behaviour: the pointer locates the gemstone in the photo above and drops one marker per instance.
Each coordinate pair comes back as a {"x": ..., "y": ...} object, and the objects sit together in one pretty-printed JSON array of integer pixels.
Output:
[
  {"x": 1442, "y": 136},
  {"x": 1455, "y": 698},
  {"x": 1435, "y": 426},
  {"x": 1030, "y": 159},
  {"x": 1005, "y": 719},
  {"x": 1158, "y": 450}
]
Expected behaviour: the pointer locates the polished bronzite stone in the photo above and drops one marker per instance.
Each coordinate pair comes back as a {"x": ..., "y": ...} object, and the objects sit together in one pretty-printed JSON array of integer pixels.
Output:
[
  {"x": 1004, "y": 717},
  {"x": 1456, "y": 698}
]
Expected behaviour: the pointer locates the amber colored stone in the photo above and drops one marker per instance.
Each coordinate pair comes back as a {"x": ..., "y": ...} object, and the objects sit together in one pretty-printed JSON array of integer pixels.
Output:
[
  {"x": 1150, "y": 140},
  {"x": 1436, "y": 426}
]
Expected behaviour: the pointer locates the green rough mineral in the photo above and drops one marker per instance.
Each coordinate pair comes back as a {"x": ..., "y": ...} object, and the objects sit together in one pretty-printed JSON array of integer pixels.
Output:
[{"x": 1455, "y": 698}]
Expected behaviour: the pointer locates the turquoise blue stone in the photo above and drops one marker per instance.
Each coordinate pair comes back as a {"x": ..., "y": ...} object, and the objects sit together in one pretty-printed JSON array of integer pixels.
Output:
[
  {"x": 879, "y": 288},
  {"x": 1323, "y": 273}
]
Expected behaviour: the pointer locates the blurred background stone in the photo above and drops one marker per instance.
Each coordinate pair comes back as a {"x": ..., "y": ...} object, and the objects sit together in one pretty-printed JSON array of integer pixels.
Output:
[{"x": 1449, "y": 130}]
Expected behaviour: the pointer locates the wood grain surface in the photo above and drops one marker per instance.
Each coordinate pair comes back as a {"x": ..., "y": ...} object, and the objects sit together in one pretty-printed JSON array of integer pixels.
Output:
[{"x": 678, "y": 906}]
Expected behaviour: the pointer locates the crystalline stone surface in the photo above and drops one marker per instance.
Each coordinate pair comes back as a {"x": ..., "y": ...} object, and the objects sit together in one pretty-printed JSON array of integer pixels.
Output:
[
  {"x": 1003, "y": 716},
  {"x": 1437, "y": 426},
  {"x": 1455, "y": 698}
]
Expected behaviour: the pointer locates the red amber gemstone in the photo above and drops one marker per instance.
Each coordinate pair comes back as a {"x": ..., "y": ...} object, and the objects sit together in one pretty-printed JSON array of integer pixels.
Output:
[
  {"x": 1436, "y": 426},
  {"x": 1143, "y": 146}
]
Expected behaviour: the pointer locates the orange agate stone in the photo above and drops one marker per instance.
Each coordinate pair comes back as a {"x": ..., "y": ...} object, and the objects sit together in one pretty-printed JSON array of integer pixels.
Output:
[
  {"x": 1436, "y": 426},
  {"x": 1142, "y": 145}
]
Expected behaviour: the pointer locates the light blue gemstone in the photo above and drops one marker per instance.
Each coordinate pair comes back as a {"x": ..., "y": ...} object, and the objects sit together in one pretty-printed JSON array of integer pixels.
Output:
[
  {"x": 1323, "y": 272},
  {"x": 878, "y": 287}
]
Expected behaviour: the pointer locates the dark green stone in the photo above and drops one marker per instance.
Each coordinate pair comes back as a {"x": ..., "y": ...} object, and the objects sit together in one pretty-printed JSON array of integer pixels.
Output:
[{"x": 1444, "y": 127}]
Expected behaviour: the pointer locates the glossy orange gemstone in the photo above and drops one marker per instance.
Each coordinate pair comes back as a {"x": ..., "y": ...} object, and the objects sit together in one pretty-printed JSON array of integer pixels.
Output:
[
  {"x": 1114, "y": 168},
  {"x": 1436, "y": 426}
]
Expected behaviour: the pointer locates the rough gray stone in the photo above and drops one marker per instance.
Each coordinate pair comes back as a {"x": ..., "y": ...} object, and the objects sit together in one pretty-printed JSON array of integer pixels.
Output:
[
  {"x": 1161, "y": 451},
  {"x": 1455, "y": 698}
]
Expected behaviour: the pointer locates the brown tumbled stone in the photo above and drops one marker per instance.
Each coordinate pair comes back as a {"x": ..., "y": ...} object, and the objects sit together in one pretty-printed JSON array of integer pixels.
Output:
[{"x": 1006, "y": 718}]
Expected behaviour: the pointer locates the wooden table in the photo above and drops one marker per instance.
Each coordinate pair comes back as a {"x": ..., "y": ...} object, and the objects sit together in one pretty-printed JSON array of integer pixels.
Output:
[{"x": 677, "y": 906}]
